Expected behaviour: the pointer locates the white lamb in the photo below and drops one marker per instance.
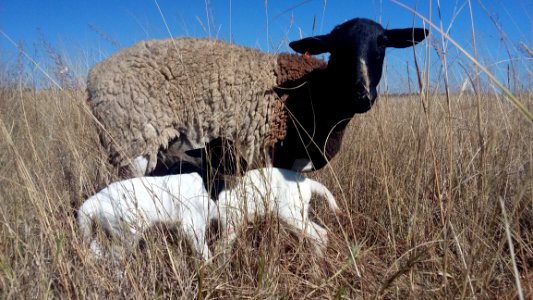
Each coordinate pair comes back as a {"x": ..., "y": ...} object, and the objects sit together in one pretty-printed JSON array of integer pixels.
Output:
[
  {"x": 283, "y": 192},
  {"x": 126, "y": 208}
]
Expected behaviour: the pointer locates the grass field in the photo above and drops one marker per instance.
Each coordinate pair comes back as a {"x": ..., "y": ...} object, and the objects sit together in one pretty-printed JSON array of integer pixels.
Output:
[
  {"x": 436, "y": 190},
  {"x": 438, "y": 196}
]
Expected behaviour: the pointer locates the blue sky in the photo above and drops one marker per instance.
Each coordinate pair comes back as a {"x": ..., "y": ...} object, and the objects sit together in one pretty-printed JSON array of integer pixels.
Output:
[{"x": 86, "y": 32}]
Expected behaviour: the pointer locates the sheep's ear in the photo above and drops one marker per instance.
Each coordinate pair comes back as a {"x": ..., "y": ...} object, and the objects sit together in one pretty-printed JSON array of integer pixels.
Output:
[
  {"x": 406, "y": 37},
  {"x": 312, "y": 45}
]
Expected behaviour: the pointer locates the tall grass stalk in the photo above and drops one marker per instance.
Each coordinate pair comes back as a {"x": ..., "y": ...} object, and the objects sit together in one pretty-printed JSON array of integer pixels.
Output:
[
  {"x": 509, "y": 95},
  {"x": 417, "y": 224},
  {"x": 511, "y": 251}
]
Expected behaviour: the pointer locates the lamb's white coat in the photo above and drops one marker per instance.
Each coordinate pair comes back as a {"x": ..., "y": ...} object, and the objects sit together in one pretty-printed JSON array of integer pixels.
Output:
[
  {"x": 283, "y": 192},
  {"x": 126, "y": 208}
]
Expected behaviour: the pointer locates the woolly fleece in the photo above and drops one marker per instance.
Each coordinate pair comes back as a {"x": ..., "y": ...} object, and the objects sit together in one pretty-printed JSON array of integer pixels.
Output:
[{"x": 155, "y": 91}]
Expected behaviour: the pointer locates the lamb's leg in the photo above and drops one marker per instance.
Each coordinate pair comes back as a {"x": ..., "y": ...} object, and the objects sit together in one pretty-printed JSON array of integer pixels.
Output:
[
  {"x": 312, "y": 230},
  {"x": 230, "y": 217},
  {"x": 197, "y": 236},
  {"x": 228, "y": 238},
  {"x": 194, "y": 229},
  {"x": 322, "y": 190},
  {"x": 96, "y": 249},
  {"x": 231, "y": 236},
  {"x": 320, "y": 235},
  {"x": 120, "y": 239},
  {"x": 128, "y": 237}
]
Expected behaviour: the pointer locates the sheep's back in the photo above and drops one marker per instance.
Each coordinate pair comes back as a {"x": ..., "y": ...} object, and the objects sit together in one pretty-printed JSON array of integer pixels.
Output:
[{"x": 157, "y": 90}]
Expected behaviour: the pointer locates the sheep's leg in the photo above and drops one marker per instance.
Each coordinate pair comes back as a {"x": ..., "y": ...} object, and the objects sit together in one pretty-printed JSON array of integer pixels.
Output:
[{"x": 139, "y": 166}]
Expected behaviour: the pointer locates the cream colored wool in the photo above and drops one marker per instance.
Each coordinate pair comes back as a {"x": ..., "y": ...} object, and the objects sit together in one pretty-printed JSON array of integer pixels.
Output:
[{"x": 148, "y": 94}]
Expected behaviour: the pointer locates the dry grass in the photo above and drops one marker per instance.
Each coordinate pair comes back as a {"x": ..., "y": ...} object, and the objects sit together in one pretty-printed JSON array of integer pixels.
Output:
[
  {"x": 421, "y": 191},
  {"x": 437, "y": 194}
]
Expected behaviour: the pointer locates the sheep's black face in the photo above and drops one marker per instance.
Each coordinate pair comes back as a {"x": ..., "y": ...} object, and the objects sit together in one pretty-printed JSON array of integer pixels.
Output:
[
  {"x": 357, "y": 58},
  {"x": 357, "y": 50},
  {"x": 347, "y": 86}
]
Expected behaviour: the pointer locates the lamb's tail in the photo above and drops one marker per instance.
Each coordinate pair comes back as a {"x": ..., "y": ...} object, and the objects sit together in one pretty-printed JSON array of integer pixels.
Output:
[
  {"x": 85, "y": 220},
  {"x": 320, "y": 189}
]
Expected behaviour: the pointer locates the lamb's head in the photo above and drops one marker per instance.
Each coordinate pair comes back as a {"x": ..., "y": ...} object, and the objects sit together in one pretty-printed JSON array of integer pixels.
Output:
[
  {"x": 220, "y": 156},
  {"x": 357, "y": 48}
]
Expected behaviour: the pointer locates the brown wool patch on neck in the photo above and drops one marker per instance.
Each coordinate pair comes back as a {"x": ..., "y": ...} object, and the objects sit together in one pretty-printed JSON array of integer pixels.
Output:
[
  {"x": 292, "y": 67},
  {"x": 277, "y": 122},
  {"x": 290, "y": 71}
]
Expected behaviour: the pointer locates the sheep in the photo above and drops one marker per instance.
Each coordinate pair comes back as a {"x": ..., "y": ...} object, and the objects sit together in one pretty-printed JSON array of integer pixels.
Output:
[
  {"x": 125, "y": 209},
  {"x": 164, "y": 97},
  {"x": 284, "y": 193}
]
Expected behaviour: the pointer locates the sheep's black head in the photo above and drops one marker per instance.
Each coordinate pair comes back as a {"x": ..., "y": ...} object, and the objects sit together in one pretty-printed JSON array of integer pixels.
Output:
[{"x": 357, "y": 49}]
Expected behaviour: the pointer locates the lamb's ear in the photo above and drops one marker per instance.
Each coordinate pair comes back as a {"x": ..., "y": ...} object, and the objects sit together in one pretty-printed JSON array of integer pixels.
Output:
[
  {"x": 196, "y": 152},
  {"x": 313, "y": 45},
  {"x": 213, "y": 144},
  {"x": 406, "y": 37}
]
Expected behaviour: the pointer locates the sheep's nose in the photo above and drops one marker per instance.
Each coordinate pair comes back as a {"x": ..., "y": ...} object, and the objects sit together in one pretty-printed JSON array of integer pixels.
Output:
[{"x": 361, "y": 90}]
